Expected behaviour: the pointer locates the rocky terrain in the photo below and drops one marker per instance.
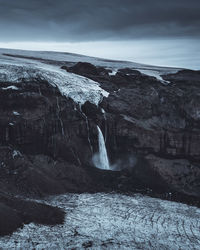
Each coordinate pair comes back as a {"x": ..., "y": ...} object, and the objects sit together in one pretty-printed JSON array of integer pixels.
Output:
[
  {"x": 50, "y": 106},
  {"x": 157, "y": 123}
]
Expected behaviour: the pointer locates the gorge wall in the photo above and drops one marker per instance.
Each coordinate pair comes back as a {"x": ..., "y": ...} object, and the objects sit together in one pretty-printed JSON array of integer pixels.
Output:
[{"x": 151, "y": 131}]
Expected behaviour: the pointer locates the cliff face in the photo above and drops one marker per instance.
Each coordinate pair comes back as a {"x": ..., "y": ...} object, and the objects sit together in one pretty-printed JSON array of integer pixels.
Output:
[
  {"x": 43, "y": 150},
  {"x": 156, "y": 124},
  {"x": 42, "y": 138},
  {"x": 151, "y": 129}
]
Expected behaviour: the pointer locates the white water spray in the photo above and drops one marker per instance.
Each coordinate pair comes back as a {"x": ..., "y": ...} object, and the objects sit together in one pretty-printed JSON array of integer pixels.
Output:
[{"x": 101, "y": 159}]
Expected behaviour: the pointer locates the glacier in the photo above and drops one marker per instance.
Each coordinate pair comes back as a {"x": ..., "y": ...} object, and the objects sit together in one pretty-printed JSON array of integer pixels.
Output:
[
  {"x": 80, "y": 89},
  {"x": 112, "y": 221}
]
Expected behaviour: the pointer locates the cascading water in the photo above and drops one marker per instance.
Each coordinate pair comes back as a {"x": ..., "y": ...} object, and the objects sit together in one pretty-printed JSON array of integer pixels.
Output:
[{"x": 101, "y": 159}]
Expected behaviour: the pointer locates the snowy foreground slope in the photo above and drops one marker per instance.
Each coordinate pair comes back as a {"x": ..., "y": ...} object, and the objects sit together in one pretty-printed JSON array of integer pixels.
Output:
[
  {"x": 112, "y": 221},
  {"x": 17, "y": 64},
  {"x": 70, "y": 57}
]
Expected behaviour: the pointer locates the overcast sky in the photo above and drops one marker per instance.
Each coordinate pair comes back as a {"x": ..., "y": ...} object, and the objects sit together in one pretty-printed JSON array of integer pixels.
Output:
[{"x": 143, "y": 30}]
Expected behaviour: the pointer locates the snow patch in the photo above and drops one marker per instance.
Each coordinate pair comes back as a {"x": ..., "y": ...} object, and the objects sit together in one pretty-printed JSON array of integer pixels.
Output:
[
  {"x": 16, "y": 153},
  {"x": 16, "y": 113},
  {"x": 2, "y": 164},
  {"x": 113, "y": 73},
  {"x": 155, "y": 74},
  {"x": 11, "y": 87},
  {"x": 103, "y": 111}
]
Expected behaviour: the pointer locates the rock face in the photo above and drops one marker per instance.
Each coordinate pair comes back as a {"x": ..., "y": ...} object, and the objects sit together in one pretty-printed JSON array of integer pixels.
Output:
[
  {"x": 154, "y": 122},
  {"x": 151, "y": 130},
  {"x": 15, "y": 212},
  {"x": 47, "y": 142},
  {"x": 40, "y": 127}
]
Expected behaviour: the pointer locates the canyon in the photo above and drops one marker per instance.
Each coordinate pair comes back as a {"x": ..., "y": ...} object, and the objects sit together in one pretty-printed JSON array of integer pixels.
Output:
[{"x": 59, "y": 110}]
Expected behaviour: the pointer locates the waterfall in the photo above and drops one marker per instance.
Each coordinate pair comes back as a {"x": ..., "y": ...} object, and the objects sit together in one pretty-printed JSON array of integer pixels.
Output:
[{"x": 101, "y": 159}]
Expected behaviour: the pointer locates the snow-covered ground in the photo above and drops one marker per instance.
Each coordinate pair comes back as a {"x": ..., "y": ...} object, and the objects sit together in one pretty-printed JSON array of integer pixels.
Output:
[
  {"x": 58, "y": 57},
  {"x": 70, "y": 57},
  {"x": 113, "y": 221},
  {"x": 80, "y": 89}
]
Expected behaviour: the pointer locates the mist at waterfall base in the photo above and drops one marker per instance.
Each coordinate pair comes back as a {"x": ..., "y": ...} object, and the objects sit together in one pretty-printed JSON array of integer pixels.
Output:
[
  {"x": 128, "y": 162},
  {"x": 101, "y": 159}
]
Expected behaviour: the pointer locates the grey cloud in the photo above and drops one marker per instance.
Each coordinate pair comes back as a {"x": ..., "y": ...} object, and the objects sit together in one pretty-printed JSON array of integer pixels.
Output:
[{"x": 86, "y": 20}]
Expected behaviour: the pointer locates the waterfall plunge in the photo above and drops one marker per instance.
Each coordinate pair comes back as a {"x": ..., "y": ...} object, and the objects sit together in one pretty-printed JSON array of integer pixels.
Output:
[{"x": 101, "y": 159}]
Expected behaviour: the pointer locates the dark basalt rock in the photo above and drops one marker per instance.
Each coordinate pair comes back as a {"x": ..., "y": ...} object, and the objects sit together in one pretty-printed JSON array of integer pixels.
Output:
[
  {"x": 128, "y": 71},
  {"x": 145, "y": 117},
  {"x": 10, "y": 220},
  {"x": 184, "y": 75},
  {"x": 84, "y": 69},
  {"x": 15, "y": 212}
]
